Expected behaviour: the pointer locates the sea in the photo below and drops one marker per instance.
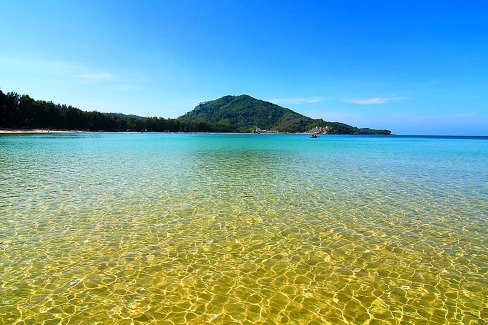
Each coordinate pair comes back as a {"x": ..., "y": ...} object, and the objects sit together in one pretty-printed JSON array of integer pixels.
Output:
[{"x": 163, "y": 228}]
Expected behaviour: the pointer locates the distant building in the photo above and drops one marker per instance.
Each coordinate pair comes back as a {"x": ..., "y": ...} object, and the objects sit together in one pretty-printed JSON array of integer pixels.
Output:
[
  {"x": 258, "y": 130},
  {"x": 319, "y": 130}
]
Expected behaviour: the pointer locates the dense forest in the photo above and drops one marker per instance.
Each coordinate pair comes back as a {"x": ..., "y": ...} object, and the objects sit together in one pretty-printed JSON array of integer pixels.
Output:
[
  {"x": 247, "y": 114},
  {"x": 23, "y": 112}
]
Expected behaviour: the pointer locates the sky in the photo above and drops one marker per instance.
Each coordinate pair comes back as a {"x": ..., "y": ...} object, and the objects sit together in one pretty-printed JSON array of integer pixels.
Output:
[{"x": 413, "y": 67}]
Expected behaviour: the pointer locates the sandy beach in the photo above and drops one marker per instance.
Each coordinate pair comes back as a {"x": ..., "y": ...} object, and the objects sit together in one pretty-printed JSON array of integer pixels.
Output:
[{"x": 13, "y": 131}]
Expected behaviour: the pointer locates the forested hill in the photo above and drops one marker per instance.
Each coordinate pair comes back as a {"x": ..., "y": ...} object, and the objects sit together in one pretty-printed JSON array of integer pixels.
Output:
[
  {"x": 23, "y": 112},
  {"x": 247, "y": 114}
]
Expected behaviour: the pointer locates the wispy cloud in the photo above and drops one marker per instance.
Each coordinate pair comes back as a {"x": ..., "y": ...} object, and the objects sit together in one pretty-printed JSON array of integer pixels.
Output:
[
  {"x": 125, "y": 87},
  {"x": 64, "y": 71},
  {"x": 296, "y": 100},
  {"x": 373, "y": 101},
  {"x": 97, "y": 76},
  {"x": 47, "y": 67}
]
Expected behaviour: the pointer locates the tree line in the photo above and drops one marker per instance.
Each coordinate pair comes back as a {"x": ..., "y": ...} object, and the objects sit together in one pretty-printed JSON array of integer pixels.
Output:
[{"x": 23, "y": 112}]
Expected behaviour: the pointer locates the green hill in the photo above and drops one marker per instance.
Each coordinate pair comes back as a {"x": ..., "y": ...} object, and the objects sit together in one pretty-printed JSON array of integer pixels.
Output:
[{"x": 245, "y": 114}]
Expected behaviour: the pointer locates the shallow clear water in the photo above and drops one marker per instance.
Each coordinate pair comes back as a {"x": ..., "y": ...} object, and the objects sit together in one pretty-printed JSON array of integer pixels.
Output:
[{"x": 244, "y": 229}]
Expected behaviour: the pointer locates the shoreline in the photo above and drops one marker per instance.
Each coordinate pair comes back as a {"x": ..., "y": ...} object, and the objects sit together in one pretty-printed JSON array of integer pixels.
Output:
[
  {"x": 43, "y": 131},
  {"x": 26, "y": 131},
  {"x": 20, "y": 131}
]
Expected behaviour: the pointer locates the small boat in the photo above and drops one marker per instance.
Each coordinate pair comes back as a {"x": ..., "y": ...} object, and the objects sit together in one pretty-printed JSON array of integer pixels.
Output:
[{"x": 314, "y": 136}]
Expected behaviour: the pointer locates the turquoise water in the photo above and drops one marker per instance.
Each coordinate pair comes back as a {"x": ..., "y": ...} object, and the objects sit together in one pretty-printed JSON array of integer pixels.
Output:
[{"x": 243, "y": 229}]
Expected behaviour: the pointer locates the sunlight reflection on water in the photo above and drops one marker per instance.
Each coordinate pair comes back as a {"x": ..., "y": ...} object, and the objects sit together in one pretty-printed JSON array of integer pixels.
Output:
[{"x": 242, "y": 228}]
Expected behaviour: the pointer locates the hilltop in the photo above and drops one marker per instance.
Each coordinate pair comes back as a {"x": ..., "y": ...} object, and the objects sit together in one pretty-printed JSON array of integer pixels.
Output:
[{"x": 246, "y": 114}]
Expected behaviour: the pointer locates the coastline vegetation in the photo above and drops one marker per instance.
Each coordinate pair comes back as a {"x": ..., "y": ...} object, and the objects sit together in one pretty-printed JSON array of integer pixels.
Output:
[
  {"x": 23, "y": 112},
  {"x": 236, "y": 114}
]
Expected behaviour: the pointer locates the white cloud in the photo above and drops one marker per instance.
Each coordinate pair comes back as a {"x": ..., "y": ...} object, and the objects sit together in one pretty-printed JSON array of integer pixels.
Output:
[
  {"x": 296, "y": 100},
  {"x": 125, "y": 87},
  {"x": 97, "y": 76},
  {"x": 46, "y": 67},
  {"x": 373, "y": 101},
  {"x": 64, "y": 71}
]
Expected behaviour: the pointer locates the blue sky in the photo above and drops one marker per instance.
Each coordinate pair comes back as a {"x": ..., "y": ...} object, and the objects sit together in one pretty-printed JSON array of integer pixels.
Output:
[{"x": 414, "y": 67}]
